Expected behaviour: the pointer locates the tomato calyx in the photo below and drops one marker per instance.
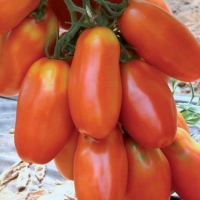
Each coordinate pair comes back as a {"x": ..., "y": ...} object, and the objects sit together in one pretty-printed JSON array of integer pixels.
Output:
[{"x": 39, "y": 12}]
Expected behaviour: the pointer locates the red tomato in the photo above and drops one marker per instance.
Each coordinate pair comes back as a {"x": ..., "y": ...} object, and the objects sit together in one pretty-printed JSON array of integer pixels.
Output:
[
  {"x": 161, "y": 40},
  {"x": 184, "y": 159},
  {"x": 148, "y": 111},
  {"x": 61, "y": 10},
  {"x": 22, "y": 46},
  {"x": 100, "y": 167},
  {"x": 64, "y": 160},
  {"x": 147, "y": 169},
  {"x": 12, "y": 12},
  {"x": 43, "y": 121},
  {"x": 161, "y": 3},
  {"x": 181, "y": 122},
  {"x": 94, "y": 82}
]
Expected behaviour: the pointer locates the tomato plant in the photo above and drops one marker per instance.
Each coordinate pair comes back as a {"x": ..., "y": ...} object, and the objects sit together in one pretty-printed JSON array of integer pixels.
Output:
[
  {"x": 13, "y": 12},
  {"x": 151, "y": 40},
  {"x": 43, "y": 121},
  {"x": 64, "y": 160},
  {"x": 100, "y": 167},
  {"x": 148, "y": 110},
  {"x": 149, "y": 169},
  {"x": 94, "y": 82},
  {"x": 22, "y": 46},
  {"x": 184, "y": 159}
]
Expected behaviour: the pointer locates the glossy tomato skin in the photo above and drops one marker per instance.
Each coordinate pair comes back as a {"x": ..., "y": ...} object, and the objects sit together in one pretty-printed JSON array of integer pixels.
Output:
[
  {"x": 161, "y": 3},
  {"x": 148, "y": 111},
  {"x": 151, "y": 39},
  {"x": 43, "y": 120},
  {"x": 184, "y": 159},
  {"x": 147, "y": 169},
  {"x": 100, "y": 167},
  {"x": 64, "y": 160},
  {"x": 181, "y": 122},
  {"x": 22, "y": 46},
  {"x": 13, "y": 12},
  {"x": 94, "y": 82}
]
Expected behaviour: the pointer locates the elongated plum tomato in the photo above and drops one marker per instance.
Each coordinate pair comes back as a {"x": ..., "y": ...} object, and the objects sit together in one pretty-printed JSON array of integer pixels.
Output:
[
  {"x": 184, "y": 159},
  {"x": 161, "y": 40},
  {"x": 94, "y": 83},
  {"x": 64, "y": 160},
  {"x": 12, "y": 12},
  {"x": 161, "y": 3},
  {"x": 148, "y": 111},
  {"x": 22, "y": 46},
  {"x": 43, "y": 121},
  {"x": 100, "y": 167},
  {"x": 143, "y": 165}
]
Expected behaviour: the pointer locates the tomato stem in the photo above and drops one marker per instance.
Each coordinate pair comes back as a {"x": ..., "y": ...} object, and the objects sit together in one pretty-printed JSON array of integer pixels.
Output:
[{"x": 39, "y": 12}]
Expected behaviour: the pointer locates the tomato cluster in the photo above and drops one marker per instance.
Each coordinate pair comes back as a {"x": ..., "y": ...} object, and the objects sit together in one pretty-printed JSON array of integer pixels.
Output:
[{"x": 111, "y": 126}]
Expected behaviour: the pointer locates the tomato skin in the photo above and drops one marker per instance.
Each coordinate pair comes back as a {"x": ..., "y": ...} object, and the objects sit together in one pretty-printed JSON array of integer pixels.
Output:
[
  {"x": 148, "y": 111},
  {"x": 13, "y": 12},
  {"x": 22, "y": 46},
  {"x": 43, "y": 121},
  {"x": 100, "y": 167},
  {"x": 143, "y": 165},
  {"x": 94, "y": 82},
  {"x": 64, "y": 160},
  {"x": 161, "y": 3},
  {"x": 159, "y": 27},
  {"x": 182, "y": 123},
  {"x": 184, "y": 159}
]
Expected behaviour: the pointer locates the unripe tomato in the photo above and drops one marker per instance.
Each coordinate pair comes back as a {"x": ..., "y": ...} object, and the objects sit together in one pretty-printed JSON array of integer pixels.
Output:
[
  {"x": 94, "y": 82},
  {"x": 43, "y": 120}
]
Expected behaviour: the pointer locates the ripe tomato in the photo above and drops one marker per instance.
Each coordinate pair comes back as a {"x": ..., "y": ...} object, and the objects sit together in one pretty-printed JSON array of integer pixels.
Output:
[
  {"x": 43, "y": 121},
  {"x": 100, "y": 167},
  {"x": 181, "y": 122},
  {"x": 64, "y": 160},
  {"x": 148, "y": 111},
  {"x": 145, "y": 164},
  {"x": 13, "y": 12},
  {"x": 61, "y": 10},
  {"x": 94, "y": 82},
  {"x": 161, "y": 40},
  {"x": 184, "y": 159},
  {"x": 160, "y": 3},
  {"x": 22, "y": 46}
]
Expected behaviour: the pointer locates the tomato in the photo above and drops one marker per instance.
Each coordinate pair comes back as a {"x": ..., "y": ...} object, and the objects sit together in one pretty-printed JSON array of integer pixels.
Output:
[
  {"x": 94, "y": 82},
  {"x": 13, "y": 12},
  {"x": 43, "y": 121},
  {"x": 161, "y": 3},
  {"x": 149, "y": 169},
  {"x": 148, "y": 111},
  {"x": 161, "y": 40},
  {"x": 62, "y": 12},
  {"x": 100, "y": 167},
  {"x": 184, "y": 159},
  {"x": 22, "y": 46},
  {"x": 64, "y": 160},
  {"x": 181, "y": 122}
]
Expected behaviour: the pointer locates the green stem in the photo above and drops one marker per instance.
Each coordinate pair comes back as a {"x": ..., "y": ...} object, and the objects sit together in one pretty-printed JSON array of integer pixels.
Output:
[{"x": 39, "y": 12}]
